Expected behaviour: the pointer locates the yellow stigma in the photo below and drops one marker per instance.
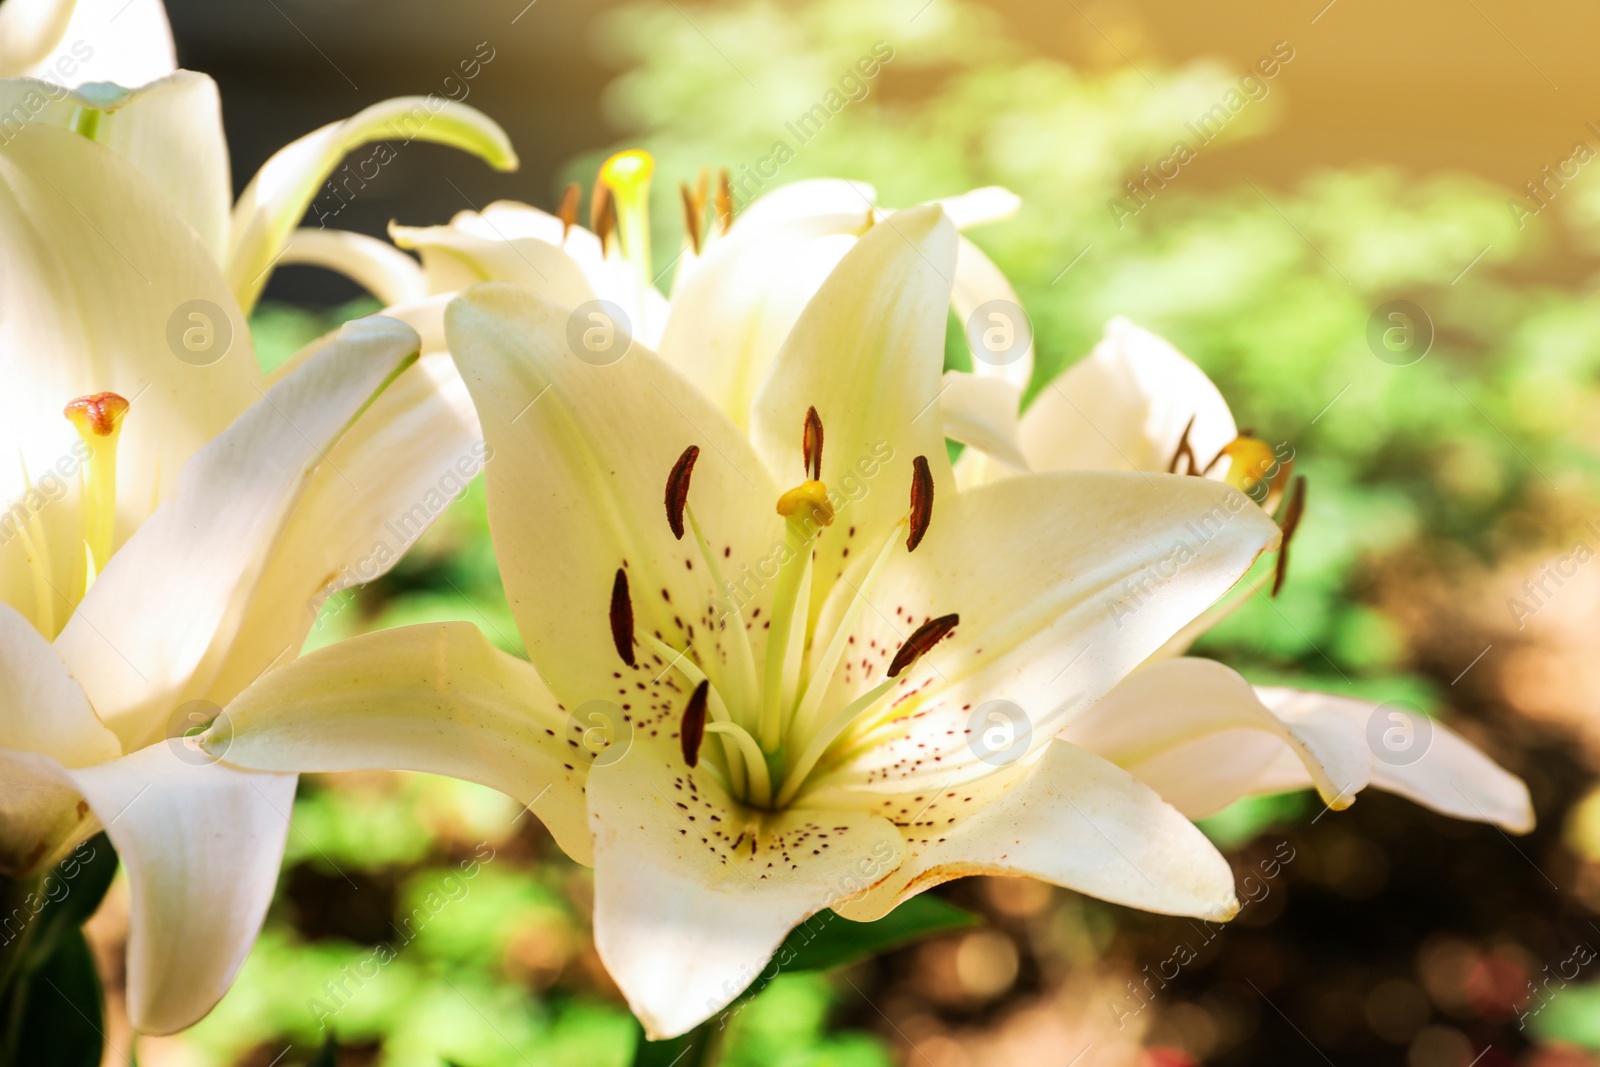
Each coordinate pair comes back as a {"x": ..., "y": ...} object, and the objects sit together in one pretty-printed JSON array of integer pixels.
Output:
[
  {"x": 1251, "y": 462},
  {"x": 808, "y": 500},
  {"x": 627, "y": 175},
  {"x": 628, "y": 170},
  {"x": 98, "y": 420}
]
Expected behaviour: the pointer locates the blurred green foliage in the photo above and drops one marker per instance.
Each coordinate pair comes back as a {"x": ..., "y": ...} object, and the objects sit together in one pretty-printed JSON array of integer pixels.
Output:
[{"x": 1456, "y": 458}]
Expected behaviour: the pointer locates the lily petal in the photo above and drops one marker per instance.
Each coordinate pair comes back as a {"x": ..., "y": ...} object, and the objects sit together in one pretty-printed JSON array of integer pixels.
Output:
[
  {"x": 396, "y": 470},
  {"x": 170, "y": 129},
  {"x": 128, "y": 42},
  {"x": 97, "y": 272},
  {"x": 1047, "y": 626},
  {"x": 271, "y": 206},
  {"x": 511, "y": 243},
  {"x": 436, "y": 698},
  {"x": 42, "y": 815},
  {"x": 1125, "y": 407},
  {"x": 809, "y": 198},
  {"x": 1197, "y": 733},
  {"x": 981, "y": 411},
  {"x": 178, "y": 586},
  {"x": 201, "y": 842},
  {"x": 731, "y": 314},
  {"x": 29, "y": 33},
  {"x": 867, "y": 353},
  {"x": 978, "y": 283},
  {"x": 582, "y": 454},
  {"x": 1450, "y": 776},
  {"x": 693, "y": 894},
  {"x": 1072, "y": 819},
  {"x": 41, "y": 708},
  {"x": 378, "y": 267}
]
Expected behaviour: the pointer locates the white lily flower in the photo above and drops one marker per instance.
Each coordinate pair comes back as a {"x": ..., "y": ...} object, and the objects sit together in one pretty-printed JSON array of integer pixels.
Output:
[
  {"x": 168, "y": 540},
  {"x": 799, "y": 687},
  {"x": 1192, "y": 729},
  {"x": 170, "y": 129}
]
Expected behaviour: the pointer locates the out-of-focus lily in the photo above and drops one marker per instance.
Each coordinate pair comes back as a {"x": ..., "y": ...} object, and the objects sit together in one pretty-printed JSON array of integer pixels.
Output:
[
  {"x": 170, "y": 527},
  {"x": 1193, "y": 729},
  {"x": 738, "y": 286},
  {"x": 170, "y": 129},
  {"x": 799, "y": 643}
]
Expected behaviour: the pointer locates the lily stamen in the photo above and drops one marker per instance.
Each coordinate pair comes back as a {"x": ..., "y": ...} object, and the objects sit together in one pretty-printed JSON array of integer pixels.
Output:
[
  {"x": 921, "y": 502},
  {"x": 921, "y": 640},
  {"x": 602, "y": 214},
  {"x": 811, "y": 444},
  {"x": 568, "y": 211},
  {"x": 915, "y": 647},
  {"x": 755, "y": 761},
  {"x": 691, "y": 217},
  {"x": 1185, "y": 451},
  {"x": 717, "y": 708},
  {"x": 36, "y": 547},
  {"x": 622, "y": 617},
  {"x": 724, "y": 203},
  {"x": 693, "y": 729},
  {"x": 678, "y": 489},
  {"x": 1289, "y": 522},
  {"x": 677, "y": 505}
]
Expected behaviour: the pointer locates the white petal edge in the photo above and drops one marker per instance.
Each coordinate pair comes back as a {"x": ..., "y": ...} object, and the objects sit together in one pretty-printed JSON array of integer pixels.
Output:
[
  {"x": 201, "y": 843},
  {"x": 984, "y": 300},
  {"x": 436, "y": 698},
  {"x": 1077, "y": 821},
  {"x": 271, "y": 206},
  {"x": 1196, "y": 732},
  {"x": 1450, "y": 776},
  {"x": 41, "y": 708},
  {"x": 981, "y": 412},
  {"x": 1125, "y": 408}
]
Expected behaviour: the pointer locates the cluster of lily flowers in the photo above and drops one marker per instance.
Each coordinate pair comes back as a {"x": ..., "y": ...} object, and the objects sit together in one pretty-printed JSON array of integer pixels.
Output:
[{"x": 827, "y": 667}]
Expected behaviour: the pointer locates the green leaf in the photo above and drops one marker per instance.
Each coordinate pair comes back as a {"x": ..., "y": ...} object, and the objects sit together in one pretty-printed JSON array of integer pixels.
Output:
[
  {"x": 40, "y": 913},
  {"x": 827, "y": 940},
  {"x": 54, "y": 1015},
  {"x": 72, "y": 891}
]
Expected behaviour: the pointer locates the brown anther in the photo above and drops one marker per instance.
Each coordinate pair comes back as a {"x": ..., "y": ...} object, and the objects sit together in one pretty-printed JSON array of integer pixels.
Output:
[
  {"x": 693, "y": 730},
  {"x": 691, "y": 217},
  {"x": 602, "y": 213},
  {"x": 678, "y": 489},
  {"x": 568, "y": 211},
  {"x": 921, "y": 502},
  {"x": 917, "y": 645},
  {"x": 724, "y": 204},
  {"x": 702, "y": 190},
  {"x": 1184, "y": 449},
  {"x": 811, "y": 444},
  {"x": 1290, "y": 521},
  {"x": 99, "y": 413},
  {"x": 622, "y": 617}
]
